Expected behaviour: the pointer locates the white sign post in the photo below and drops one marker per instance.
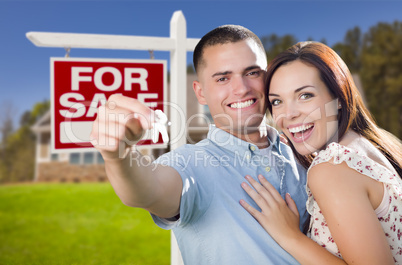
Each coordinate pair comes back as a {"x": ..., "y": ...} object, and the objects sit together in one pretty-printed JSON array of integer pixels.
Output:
[{"x": 178, "y": 44}]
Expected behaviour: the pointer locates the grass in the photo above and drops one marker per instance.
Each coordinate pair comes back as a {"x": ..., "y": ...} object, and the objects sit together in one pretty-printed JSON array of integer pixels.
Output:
[{"x": 76, "y": 224}]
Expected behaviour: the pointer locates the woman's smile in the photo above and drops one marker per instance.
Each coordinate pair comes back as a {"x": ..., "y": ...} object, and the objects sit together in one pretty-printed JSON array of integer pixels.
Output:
[{"x": 300, "y": 133}]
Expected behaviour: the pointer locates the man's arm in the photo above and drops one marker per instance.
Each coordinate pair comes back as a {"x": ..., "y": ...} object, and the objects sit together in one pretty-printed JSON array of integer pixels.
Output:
[{"x": 119, "y": 124}]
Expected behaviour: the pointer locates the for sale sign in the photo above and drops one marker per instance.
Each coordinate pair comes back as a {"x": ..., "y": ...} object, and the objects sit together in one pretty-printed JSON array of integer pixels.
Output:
[{"x": 79, "y": 86}]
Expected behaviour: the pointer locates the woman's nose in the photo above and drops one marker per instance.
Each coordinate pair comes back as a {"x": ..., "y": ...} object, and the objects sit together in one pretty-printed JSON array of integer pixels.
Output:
[
  {"x": 287, "y": 111},
  {"x": 291, "y": 111}
]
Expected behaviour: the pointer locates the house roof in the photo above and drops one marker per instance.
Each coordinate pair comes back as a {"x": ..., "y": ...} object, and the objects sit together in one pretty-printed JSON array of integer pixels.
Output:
[{"x": 42, "y": 124}]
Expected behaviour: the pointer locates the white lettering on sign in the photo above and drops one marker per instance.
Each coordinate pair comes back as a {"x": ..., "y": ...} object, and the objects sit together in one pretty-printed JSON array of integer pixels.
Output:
[
  {"x": 77, "y": 109},
  {"x": 143, "y": 96},
  {"x": 116, "y": 82},
  {"x": 129, "y": 79},
  {"x": 65, "y": 102},
  {"x": 93, "y": 108},
  {"x": 73, "y": 101},
  {"x": 76, "y": 78}
]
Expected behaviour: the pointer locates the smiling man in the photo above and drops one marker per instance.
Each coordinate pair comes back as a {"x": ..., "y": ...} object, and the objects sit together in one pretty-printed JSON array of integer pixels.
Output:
[
  {"x": 231, "y": 83},
  {"x": 195, "y": 190}
]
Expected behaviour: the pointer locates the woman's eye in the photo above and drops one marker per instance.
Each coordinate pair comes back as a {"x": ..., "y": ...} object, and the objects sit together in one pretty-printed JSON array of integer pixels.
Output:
[
  {"x": 306, "y": 96},
  {"x": 275, "y": 102}
]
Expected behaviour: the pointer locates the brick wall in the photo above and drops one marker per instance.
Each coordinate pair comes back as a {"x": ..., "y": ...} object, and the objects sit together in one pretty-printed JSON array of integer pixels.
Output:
[{"x": 66, "y": 172}]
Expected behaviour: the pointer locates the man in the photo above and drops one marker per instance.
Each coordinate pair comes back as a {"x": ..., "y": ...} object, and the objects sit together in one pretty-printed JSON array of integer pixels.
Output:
[{"x": 195, "y": 190}]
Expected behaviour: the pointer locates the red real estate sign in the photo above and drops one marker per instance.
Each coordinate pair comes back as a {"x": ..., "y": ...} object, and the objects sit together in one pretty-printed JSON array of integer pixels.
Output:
[{"x": 79, "y": 86}]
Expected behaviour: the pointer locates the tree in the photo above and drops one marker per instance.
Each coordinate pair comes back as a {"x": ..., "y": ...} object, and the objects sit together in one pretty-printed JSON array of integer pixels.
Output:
[
  {"x": 18, "y": 148},
  {"x": 274, "y": 44},
  {"x": 6, "y": 120},
  {"x": 323, "y": 40},
  {"x": 6, "y": 129},
  {"x": 350, "y": 49},
  {"x": 381, "y": 76}
]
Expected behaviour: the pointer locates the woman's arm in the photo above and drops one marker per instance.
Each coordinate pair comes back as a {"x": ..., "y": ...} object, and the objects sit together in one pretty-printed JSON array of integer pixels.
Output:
[
  {"x": 343, "y": 196},
  {"x": 345, "y": 199}
]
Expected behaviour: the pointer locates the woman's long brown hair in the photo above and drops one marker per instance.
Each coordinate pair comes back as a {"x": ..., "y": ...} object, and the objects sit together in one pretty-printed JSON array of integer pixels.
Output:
[{"x": 353, "y": 114}]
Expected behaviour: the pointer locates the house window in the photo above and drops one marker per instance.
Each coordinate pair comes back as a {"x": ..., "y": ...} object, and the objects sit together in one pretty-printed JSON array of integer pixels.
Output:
[
  {"x": 88, "y": 158},
  {"x": 75, "y": 158},
  {"x": 99, "y": 159},
  {"x": 54, "y": 157}
]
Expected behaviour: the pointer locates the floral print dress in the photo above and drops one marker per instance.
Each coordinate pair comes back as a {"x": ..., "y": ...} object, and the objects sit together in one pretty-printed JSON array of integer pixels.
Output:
[{"x": 390, "y": 216}]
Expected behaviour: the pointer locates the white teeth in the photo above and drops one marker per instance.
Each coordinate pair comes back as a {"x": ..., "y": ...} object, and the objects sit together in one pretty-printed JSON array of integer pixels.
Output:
[
  {"x": 240, "y": 105},
  {"x": 300, "y": 128}
]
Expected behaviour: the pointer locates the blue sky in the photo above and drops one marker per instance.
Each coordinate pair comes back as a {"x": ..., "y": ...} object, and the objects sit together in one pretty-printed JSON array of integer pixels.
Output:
[{"x": 24, "y": 68}]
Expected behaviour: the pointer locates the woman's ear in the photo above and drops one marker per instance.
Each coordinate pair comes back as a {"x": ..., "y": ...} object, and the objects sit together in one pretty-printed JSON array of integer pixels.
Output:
[{"x": 199, "y": 93}]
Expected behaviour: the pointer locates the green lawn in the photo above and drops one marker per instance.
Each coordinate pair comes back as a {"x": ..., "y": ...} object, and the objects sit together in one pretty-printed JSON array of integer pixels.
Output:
[{"x": 76, "y": 224}]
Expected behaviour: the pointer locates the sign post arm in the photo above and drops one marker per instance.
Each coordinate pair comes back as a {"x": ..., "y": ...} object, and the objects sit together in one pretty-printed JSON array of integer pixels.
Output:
[{"x": 104, "y": 41}]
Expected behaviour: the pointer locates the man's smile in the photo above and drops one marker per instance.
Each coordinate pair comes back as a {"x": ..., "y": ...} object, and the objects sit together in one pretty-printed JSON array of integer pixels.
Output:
[{"x": 243, "y": 104}]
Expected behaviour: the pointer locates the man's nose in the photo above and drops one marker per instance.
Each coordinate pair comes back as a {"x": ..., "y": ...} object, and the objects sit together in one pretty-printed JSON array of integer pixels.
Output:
[{"x": 239, "y": 85}]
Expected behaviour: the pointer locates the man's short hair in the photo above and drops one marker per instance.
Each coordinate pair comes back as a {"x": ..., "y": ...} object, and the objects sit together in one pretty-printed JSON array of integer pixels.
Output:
[{"x": 222, "y": 35}]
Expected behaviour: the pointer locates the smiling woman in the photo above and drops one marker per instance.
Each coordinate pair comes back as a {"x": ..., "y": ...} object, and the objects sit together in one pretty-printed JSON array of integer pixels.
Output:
[
  {"x": 302, "y": 106},
  {"x": 354, "y": 167}
]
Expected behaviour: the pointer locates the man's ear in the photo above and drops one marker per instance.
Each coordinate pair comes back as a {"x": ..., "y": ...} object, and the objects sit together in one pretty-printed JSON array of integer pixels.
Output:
[{"x": 199, "y": 93}]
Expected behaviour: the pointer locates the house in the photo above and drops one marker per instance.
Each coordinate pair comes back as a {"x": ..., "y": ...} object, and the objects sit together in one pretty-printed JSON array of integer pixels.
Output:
[{"x": 89, "y": 165}]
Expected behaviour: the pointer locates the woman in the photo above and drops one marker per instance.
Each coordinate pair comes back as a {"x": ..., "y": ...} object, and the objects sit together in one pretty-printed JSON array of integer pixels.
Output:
[{"x": 354, "y": 167}]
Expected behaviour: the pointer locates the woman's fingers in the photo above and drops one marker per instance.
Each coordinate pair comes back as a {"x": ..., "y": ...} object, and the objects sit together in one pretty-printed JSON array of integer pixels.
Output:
[
  {"x": 291, "y": 204},
  {"x": 254, "y": 212},
  {"x": 265, "y": 189},
  {"x": 268, "y": 186},
  {"x": 278, "y": 217},
  {"x": 259, "y": 200},
  {"x": 266, "y": 196},
  {"x": 260, "y": 195}
]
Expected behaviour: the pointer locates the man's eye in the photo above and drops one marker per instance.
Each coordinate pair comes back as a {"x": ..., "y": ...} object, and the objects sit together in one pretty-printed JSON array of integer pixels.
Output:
[
  {"x": 254, "y": 73},
  {"x": 222, "y": 79},
  {"x": 275, "y": 102}
]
